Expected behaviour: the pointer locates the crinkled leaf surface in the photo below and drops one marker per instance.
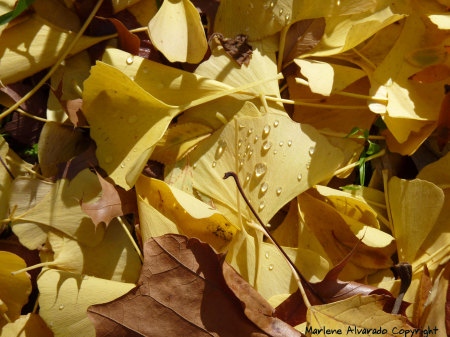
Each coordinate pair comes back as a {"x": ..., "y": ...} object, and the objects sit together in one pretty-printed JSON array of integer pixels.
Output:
[
  {"x": 177, "y": 31},
  {"x": 41, "y": 205},
  {"x": 165, "y": 209},
  {"x": 181, "y": 291},
  {"x": 64, "y": 298}
]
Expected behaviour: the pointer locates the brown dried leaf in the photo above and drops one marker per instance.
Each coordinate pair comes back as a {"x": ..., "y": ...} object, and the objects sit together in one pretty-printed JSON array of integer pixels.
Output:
[
  {"x": 303, "y": 36},
  {"x": 256, "y": 308},
  {"x": 431, "y": 74},
  {"x": 181, "y": 292},
  {"x": 73, "y": 109},
  {"x": 237, "y": 48},
  {"x": 127, "y": 41},
  {"x": 115, "y": 201}
]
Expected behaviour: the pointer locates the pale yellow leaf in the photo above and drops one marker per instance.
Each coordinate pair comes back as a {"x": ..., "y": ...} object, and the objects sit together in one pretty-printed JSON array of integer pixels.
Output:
[
  {"x": 269, "y": 17},
  {"x": 30, "y": 325},
  {"x": 65, "y": 297},
  {"x": 41, "y": 205},
  {"x": 415, "y": 206},
  {"x": 14, "y": 289},
  {"x": 178, "y": 141},
  {"x": 345, "y": 32},
  {"x": 177, "y": 32},
  {"x": 72, "y": 256},
  {"x": 34, "y": 45},
  {"x": 436, "y": 307},
  {"x": 325, "y": 78},
  {"x": 259, "y": 149},
  {"x": 357, "y": 312}
]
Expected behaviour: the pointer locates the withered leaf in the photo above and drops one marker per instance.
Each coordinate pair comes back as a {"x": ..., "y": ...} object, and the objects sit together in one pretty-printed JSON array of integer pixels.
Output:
[
  {"x": 73, "y": 109},
  {"x": 303, "y": 36},
  {"x": 256, "y": 308},
  {"x": 431, "y": 74},
  {"x": 114, "y": 202},
  {"x": 181, "y": 292},
  {"x": 127, "y": 41},
  {"x": 237, "y": 48}
]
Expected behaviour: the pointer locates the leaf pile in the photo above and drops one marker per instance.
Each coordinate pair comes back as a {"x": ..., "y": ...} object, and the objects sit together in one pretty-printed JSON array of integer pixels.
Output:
[{"x": 333, "y": 115}]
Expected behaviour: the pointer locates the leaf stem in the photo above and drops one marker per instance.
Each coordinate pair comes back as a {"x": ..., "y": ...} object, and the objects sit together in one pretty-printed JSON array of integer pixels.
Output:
[
  {"x": 39, "y": 265},
  {"x": 299, "y": 80},
  {"x": 301, "y": 281},
  {"x": 7, "y": 168},
  {"x": 341, "y": 134},
  {"x": 55, "y": 66},
  {"x": 316, "y": 105},
  {"x": 124, "y": 223},
  {"x": 352, "y": 165},
  {"x": 369, "y": 62}
]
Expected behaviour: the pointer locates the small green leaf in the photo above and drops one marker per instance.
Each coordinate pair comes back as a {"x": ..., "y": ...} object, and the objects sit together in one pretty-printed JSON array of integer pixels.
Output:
[
  {"x": 20, "y": 7},
  {"x": 379, "y": 123},
  {"x": 362, "y": 170},
  {"x": 32, "y": 151},
  {"x": 350, "y": 187},
  {"x": 373, "y": 148}
]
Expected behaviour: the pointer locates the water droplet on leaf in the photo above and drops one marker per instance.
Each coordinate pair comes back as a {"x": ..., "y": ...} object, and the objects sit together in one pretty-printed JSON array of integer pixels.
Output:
[
  {"x": 130, "y": 59},
  {"x": 279, "y": 190},
  {"x": 260, "y": 169},
  {"x": 299, "y": 177},
  {"x": 267, "y": 145},
  {"x": 276, "y": 123},
  {"x": 264, "y": 187}
]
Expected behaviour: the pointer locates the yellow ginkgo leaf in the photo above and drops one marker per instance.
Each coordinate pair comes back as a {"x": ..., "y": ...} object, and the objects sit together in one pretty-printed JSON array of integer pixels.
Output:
[
  {"x": 30, "y": 325},
  {"x": 65, "y": 297},
  {"x": 178, "y": 141},
  {"x": 358, "y": 315},
  {"x": 16, "y": 166},
  {"x": 339, "y": 233},
  {"x": 177, "y": 32},
  {"x": 435, "y": 249},
  {"x": 409, "y": 99},
  {"x": 263, "y": 266},
  {"x": 41, "y": 205},
  {"x": 349, "y": 206},
  {"x": 437, "y": 304},
  {"x": 127, "y": 120},
  {"x": 72, "y": 256},
  {"x": 164, "y": 209},
  {"x": 14, "y": 289},
  {"x": 25, "y": 48},
  {"x": 345, "y": 32},
  {"x": 269, "y": 17},
  {"x": 259, "y": 149},
  {"x": 170, "y": 85},
  {"x": 325, "y": 78},
  {"x": 415, "y": 206},
  {"x": 262, "y": 65}
]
